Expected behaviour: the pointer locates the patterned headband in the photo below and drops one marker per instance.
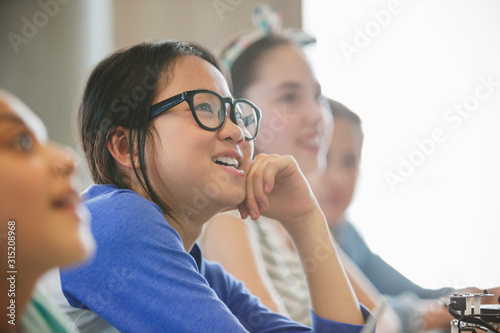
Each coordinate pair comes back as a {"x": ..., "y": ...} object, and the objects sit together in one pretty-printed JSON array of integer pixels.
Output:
[{"x": 267, "y": 21}]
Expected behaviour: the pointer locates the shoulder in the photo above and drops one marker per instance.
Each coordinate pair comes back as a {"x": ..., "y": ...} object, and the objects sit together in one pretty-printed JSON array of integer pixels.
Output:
[
  {"x": 111, "y": 198},
  {"x": 113, "y": 208},
  {"x": 234, "y": 244},
  {"x": 229, "y": 227},
  {"x": 123, "y": 219}
]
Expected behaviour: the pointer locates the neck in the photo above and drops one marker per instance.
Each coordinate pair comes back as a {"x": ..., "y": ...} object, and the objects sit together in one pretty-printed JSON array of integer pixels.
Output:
[
  {"x": 187, "y": 221},
  {"x": 185, "y": 226},
  {"x": 189, "y": 226}
]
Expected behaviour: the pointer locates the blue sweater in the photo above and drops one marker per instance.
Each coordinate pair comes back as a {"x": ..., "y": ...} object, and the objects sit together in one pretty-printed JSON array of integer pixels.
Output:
[{"x": 142, "y": 279}]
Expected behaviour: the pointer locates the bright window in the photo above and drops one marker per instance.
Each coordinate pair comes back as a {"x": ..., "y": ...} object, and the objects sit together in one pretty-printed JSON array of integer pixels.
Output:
[{"x": 425, "y": 78}]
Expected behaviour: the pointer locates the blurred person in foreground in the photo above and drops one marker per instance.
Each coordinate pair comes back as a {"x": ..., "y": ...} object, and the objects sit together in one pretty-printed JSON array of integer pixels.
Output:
[{"x": 42, "y": 221}]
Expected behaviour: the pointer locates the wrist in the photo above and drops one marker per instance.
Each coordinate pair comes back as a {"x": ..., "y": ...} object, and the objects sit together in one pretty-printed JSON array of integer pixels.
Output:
[{"x": 311, "y": 223}]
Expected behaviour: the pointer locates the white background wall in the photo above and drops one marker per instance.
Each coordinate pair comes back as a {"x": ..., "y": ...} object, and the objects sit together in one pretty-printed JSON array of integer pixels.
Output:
[
  {"x": 214, "y": 23},
  {"x": 417, "y": 60}
]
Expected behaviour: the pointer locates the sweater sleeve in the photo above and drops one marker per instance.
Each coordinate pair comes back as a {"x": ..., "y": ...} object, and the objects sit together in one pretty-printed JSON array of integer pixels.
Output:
[
  {"x": 257, "y": 318},
  {"x": 142, "y": 280}
]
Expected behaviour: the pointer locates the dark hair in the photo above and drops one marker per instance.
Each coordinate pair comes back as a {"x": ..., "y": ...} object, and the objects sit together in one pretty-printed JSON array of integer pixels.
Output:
[
  {"x": 119, "y": 92},
  {"x": 243, "y": 70},
  {"x": 339, "y": 110}
]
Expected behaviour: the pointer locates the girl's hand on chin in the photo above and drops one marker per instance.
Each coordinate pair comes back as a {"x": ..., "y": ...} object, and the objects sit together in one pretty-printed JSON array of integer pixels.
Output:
[{"x": 276, "y": 188}]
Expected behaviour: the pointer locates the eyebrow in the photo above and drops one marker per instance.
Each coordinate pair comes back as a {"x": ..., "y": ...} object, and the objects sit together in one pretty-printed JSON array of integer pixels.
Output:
[
  {"x": 294, "y": 86},
  {"x": 289, "y": 85}
]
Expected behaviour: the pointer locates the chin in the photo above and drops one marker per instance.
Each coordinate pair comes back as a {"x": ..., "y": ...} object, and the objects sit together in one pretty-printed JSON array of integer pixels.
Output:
[
  {"x": 79, "y": 243},
  {"x": 73, "y": 256},
  {"x": 309, "y": 166},
  {"x": 234, "y": 200}
]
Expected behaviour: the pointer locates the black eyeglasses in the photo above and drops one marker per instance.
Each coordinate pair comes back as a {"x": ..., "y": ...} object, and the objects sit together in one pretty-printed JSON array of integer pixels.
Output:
[{"x": 209, "y": 110}]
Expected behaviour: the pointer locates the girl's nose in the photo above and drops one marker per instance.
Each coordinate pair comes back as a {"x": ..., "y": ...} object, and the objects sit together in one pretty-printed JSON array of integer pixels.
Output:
[
  {"x": 230, "y": 130},
  {"x": 63, "y": 159}
]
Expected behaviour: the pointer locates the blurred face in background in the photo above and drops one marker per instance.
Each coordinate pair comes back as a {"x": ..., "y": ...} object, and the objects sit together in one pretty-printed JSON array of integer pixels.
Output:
[
  {"x": 294, "y": 118},
  {"x": 334, "y": 188}
]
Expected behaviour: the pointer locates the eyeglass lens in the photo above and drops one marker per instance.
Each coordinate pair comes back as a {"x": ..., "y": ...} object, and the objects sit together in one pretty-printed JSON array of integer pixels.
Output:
[{"x": 210, "y": 112}]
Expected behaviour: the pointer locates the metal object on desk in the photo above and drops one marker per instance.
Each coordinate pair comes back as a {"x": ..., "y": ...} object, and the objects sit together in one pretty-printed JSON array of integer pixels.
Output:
[{"x": 468, "y": 316}]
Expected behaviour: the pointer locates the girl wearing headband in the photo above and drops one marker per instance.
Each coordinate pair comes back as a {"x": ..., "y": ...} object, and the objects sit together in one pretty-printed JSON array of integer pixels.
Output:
[{"x": 268, "y": 66}]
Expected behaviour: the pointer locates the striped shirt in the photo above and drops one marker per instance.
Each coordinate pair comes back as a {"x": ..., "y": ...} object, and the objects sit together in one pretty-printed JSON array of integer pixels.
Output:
[{"x": 284, "y": 268}]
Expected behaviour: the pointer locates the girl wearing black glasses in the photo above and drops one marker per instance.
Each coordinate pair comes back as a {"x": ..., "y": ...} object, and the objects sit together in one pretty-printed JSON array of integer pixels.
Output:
[{"x": 168, "y": 148}]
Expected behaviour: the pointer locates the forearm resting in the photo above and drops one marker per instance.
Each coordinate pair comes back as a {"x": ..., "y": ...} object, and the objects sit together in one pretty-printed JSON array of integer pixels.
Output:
[{"x": 332, "y": 296}]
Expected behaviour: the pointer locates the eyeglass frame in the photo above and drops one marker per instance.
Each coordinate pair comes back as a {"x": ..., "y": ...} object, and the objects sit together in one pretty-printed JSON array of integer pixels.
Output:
[{"x": 187, "y": 96}]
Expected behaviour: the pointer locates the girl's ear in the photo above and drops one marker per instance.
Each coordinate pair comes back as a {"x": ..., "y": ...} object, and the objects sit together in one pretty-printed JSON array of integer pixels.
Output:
[{"x": 119, "y": 147}]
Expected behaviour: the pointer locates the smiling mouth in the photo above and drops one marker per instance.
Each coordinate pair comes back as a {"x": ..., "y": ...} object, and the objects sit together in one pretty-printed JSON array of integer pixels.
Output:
[
  {"x": 226, "y": 161},
  {"x": 312, "y": 142}
]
